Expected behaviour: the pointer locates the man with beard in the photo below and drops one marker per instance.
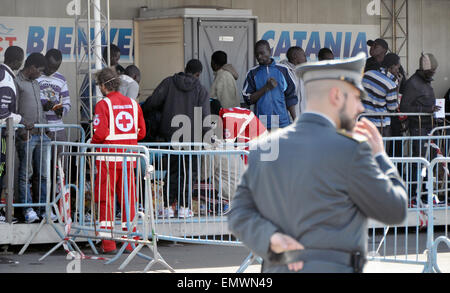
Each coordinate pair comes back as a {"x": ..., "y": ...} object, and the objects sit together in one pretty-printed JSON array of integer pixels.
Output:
[{"x": 307, "y": 210}]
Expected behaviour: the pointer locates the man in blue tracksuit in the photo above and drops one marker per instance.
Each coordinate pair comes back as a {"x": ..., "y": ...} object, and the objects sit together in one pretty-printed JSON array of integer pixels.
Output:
[{"x": 271, "y": 88}]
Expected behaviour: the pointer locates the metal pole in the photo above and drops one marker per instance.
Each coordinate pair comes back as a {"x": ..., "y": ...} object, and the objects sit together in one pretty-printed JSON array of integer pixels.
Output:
[
  {"x": 108, "y": 34},
  {"x": 98, "y": 35},
  {"x": 10, "y": 152},
  {"x": 90, "y": 65},
  {"x": 394, "y": 31}
]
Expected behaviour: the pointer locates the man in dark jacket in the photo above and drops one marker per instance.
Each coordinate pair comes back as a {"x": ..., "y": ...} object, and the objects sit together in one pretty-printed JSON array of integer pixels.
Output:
[
  {"x": 184, "y": 102},
  {"x": 180, "y": 94},
  {"x": 419, "y": 96}
]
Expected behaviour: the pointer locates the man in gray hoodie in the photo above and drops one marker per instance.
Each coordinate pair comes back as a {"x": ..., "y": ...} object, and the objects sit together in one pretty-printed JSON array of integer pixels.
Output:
[{"x": 31, "y": 145}]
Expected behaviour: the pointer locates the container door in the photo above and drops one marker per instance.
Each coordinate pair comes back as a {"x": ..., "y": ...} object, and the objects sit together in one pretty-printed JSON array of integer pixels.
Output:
[{"x": 236, "y": 38}]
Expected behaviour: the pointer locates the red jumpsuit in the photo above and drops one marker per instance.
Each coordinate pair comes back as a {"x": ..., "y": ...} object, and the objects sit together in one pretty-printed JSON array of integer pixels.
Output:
[{"x": 118, "y": 120}]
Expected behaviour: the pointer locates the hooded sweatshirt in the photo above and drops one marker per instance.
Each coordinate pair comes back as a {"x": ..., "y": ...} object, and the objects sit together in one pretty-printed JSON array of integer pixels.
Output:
[
  {"x": 178, "y": 95},
  {"x": 224, "y": 87},
  {"x": 418, "y": 98}
]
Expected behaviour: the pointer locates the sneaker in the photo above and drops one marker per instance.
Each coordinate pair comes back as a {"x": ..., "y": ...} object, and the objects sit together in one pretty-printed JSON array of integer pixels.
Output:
[
  {"x": 31, "y": 216},
  {"x": 3, "y": 218},
  {"x": 185, "y": 213},
  {"x": 166, "y": 213}
]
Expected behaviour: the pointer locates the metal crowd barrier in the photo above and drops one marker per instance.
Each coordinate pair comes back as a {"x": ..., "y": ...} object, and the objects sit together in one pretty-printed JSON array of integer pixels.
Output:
[
  {"x": 406, "y": 248},
  {"x": 198, "y": 181},
  {"x": 104, "y": 200},
  {"x": 193, "y": 189},
  {"x": 403, "y": 117},
  {"x": 32, "y": 155}
]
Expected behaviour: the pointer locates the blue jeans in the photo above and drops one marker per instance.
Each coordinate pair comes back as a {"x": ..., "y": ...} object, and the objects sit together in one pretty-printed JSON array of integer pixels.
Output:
[{"x": 32, "y": 158}]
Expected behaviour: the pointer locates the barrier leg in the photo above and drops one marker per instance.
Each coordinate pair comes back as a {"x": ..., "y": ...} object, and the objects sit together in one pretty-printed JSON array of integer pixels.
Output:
[
  {"x": 131, "y": 256},
  {"x": 246, "y": 263},
  {"x": 434, "y": 252},
  {"x": 383, "y": 239},
  {"x": 118, "y": 255},
  {"x": 22, "y": 251},
  {"x": 156, "y": 260},
  {"x": 52, "y": 250},
  {"x": 91, "y": 244}
]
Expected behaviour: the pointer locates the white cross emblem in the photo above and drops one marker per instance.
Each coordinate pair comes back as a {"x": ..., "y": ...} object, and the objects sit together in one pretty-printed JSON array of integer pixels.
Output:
[{"x": 124, "y": 121}]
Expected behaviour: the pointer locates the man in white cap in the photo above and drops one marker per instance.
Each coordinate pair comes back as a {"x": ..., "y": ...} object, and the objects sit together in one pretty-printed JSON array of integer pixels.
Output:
[{"x": 307, "y": 210}]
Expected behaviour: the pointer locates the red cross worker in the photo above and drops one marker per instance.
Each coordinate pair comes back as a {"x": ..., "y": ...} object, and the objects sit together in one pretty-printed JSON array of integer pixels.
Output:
[
  {"x": 118, "y": 121},
  {"x": 241, "y": 126}
]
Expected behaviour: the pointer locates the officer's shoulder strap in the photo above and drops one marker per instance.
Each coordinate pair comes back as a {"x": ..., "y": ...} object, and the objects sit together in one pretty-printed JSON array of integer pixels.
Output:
[{"x": 353, "y": 136}]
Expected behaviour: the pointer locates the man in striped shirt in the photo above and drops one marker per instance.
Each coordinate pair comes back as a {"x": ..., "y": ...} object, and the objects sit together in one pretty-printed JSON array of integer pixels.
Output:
[
  {"x": 55, "y": 97},
  {"x": 382, "y": 92}
]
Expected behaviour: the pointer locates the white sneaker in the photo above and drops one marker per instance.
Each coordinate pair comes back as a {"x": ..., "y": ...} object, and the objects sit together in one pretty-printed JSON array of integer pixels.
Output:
[
  {"x": 166, "y": 213},
  {"x": 31, "y": 216},
  {"x": 52, "y": 216},
  {"x": 185, "y": 213}
]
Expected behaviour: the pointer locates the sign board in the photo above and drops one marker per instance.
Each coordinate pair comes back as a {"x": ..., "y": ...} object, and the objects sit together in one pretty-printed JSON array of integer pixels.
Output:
[
  {"x": 344, "y": 40},
  {"x": 41, "y": 34}
]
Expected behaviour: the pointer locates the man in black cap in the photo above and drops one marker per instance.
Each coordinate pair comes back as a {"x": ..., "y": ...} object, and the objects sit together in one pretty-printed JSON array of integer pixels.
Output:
[
  {"x": 307, "y": 209},
  {"x": 378, "y": 50}
]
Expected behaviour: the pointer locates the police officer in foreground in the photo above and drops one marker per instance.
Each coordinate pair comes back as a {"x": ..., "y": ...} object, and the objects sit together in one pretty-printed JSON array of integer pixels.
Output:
[{"x": 307, "y": 210}]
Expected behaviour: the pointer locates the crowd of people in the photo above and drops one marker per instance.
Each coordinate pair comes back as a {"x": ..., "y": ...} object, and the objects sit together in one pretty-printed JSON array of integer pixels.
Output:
[{"x": 39, "y": 94}]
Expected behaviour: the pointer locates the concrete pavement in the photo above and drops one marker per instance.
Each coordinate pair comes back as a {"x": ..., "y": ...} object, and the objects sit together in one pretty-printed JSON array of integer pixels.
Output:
[{"x": 184, "y": 258}]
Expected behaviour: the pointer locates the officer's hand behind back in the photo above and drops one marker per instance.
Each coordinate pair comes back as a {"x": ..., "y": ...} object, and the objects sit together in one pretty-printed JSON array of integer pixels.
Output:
[{"x": 280, "y": 243}]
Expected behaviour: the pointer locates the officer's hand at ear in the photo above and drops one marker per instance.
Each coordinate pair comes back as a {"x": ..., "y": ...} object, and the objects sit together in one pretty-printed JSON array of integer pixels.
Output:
[
  {"x": 281, "y": 243},
  {"x": 374, "y": 138}
]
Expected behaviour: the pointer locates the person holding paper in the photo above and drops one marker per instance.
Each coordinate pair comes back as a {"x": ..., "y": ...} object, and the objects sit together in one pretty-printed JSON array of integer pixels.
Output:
[{"x": 55, "y": 97}]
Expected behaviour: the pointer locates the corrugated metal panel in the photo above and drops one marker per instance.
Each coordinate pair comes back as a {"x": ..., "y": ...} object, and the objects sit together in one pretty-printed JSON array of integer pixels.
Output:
[{"x": 159, "y": 51}]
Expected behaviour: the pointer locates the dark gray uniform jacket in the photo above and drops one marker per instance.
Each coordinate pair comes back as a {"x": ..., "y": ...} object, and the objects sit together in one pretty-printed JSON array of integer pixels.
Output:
[
  {"x": 179, "y": 95},
  {"x": 321, "y": 191}
]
